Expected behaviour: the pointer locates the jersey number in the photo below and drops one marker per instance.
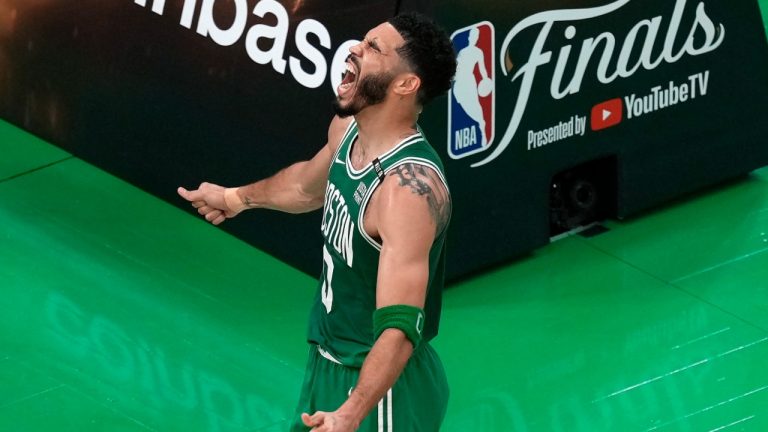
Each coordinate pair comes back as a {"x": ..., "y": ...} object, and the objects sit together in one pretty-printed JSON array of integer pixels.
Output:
[{"x": 327, "y": 290}]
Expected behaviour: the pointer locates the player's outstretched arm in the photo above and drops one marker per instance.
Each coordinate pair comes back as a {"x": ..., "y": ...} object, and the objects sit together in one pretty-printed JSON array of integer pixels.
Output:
[
  {"x": 411, "y": 209},
  {"x": 296, "y": 189}
]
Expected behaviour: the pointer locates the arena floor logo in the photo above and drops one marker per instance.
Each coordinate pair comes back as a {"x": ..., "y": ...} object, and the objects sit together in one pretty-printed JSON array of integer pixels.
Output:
[
  {"x": 615, "y": 61},
  {"x": 173, "y": 385}
]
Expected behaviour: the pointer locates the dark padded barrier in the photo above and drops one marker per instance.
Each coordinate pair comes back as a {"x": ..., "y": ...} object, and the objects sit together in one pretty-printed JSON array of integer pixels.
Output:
[{"x": 175, "y": 92}]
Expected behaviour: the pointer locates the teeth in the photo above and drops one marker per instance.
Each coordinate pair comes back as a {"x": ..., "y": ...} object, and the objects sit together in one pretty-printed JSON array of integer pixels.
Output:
[{"x": 348, "y": 78}]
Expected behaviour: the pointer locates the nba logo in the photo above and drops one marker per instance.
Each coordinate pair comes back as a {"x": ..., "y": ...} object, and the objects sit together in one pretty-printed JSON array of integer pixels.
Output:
[{"x": 471, "y": 99}]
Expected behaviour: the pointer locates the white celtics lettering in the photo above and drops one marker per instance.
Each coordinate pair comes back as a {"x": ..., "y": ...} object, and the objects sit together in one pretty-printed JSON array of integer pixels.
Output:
[
  {"x": 614, "y": 62},
  {"x": 337, "y": 226},
  {"x": 326, "y": 291}
]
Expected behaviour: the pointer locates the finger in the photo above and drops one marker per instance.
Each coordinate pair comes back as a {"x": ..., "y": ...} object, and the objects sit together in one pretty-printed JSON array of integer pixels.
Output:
[
  {"x": 315, "y": 419},
  {"x": 204, "y": 210},
  {"x": 318, "y": 418},
  {"x": 189, "y": 195},
  {"x": 182, "y": 192},
  {"x": 210, "y": 217},
  {"x": 198, "y": 204},
  {"x": 307, "y": 419},
  {"x": 219, "y": 219},
  {"x": 323, "y": 428}
]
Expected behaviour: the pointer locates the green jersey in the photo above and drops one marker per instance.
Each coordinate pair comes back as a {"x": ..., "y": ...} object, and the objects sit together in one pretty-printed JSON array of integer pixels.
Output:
[{"x": 341, "y": 319}]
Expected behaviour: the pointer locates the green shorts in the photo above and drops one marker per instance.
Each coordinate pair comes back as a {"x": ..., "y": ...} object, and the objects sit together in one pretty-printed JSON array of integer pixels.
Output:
[{"x": 416, "y": 403}]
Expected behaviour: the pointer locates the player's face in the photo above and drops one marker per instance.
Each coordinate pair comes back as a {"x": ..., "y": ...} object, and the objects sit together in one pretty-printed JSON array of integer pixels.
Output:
[
  {"x": 371, "y": 67},
  {"x": 370, "y": 90}
]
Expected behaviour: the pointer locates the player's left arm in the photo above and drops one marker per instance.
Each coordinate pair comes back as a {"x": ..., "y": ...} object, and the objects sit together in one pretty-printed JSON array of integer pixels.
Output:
[{"x": 412, "y": 208}]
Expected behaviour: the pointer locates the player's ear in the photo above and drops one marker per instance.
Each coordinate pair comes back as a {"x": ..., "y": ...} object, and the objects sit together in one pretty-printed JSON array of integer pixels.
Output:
[{"x": 407, "y": 83}]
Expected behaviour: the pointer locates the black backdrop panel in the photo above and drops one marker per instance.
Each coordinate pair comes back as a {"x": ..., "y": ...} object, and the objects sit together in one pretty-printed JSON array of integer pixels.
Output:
[
  {"x": 160, "y": 105},
  {"x": 175, "y": 92}
]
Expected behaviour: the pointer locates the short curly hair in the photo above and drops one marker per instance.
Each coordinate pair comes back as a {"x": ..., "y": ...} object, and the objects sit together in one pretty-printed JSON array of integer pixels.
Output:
[{"x": 429, "y": 51}]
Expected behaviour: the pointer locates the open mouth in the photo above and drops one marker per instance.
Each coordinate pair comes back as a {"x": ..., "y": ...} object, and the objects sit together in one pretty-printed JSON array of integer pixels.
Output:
[{"x": 348, "y": 80}]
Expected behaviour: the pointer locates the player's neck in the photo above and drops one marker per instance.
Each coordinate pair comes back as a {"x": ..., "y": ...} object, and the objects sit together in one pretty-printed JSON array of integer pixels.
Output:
[{"x": 381, "y": 127}]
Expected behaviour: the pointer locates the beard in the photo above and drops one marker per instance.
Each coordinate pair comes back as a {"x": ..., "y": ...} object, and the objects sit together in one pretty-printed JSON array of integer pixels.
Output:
[{"x": 371, "y": 90}]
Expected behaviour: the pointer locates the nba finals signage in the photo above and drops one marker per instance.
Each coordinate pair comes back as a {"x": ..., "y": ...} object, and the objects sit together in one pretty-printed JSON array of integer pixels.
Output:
[
  {"x": 471, "y": 98},
  {"x": 471, "y": 103}
]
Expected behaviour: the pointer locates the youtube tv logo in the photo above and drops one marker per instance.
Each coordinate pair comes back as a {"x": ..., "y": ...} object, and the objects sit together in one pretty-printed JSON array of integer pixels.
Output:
[{"x": 607, "y": 114}]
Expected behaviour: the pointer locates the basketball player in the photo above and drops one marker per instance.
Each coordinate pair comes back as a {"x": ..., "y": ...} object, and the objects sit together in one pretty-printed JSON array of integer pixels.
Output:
[{"x": 386, "y": 207}]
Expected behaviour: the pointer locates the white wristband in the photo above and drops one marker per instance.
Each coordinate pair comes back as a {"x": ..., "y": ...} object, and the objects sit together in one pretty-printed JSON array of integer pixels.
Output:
[{"x": 233, "y": 201}]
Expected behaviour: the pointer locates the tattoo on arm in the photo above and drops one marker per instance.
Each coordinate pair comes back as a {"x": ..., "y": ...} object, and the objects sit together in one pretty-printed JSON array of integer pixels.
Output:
[
  {"x": 248, "y": 201},
  {"x": 425, "y": 182}
]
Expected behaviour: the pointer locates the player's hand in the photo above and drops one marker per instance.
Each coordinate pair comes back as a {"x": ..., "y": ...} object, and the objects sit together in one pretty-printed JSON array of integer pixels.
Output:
[
  {"x": 209, "y": 201},
  {"x": 329, "y": 422}
]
